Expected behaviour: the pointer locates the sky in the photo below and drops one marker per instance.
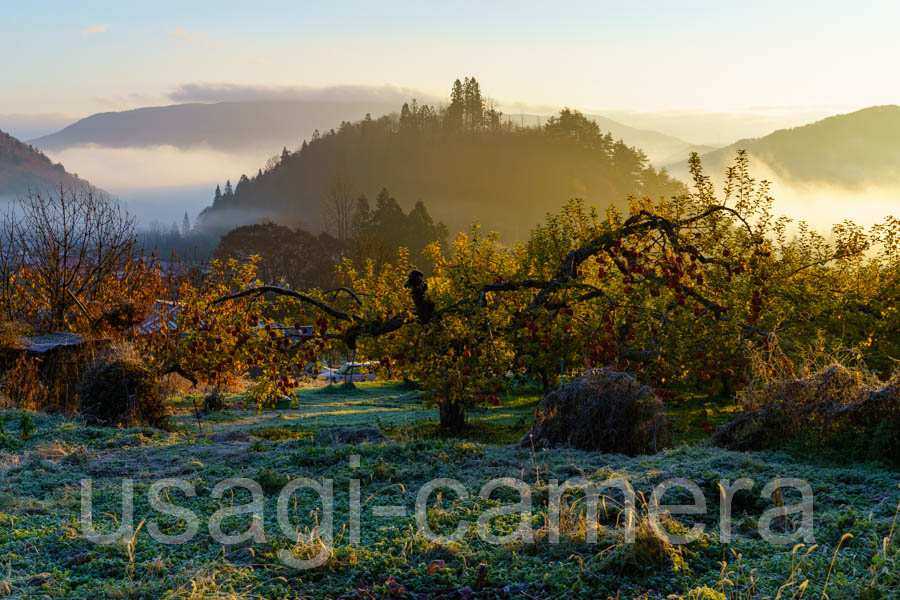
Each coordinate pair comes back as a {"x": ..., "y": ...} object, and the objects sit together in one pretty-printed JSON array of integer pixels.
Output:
[{"x": 68, "y": 59}]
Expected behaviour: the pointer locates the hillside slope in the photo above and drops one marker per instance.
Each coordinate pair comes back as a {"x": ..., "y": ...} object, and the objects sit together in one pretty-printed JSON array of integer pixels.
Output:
[
  {"x": 854, "y": 149},
  {"x": 661, "y": 149},
  {"x": 271, "y": 125},
  {"x": 22, "y": 167},
  {"x": 227, "y": 126},
  {"x": 505, "y": 177}
]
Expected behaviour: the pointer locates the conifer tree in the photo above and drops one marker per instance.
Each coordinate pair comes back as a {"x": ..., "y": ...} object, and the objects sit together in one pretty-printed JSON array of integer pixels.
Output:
[{"x": 456, "y": 110}]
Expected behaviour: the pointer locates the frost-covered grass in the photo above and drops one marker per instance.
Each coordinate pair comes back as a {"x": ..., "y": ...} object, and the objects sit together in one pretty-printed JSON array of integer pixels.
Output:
[{"x": 43, "y": 552}]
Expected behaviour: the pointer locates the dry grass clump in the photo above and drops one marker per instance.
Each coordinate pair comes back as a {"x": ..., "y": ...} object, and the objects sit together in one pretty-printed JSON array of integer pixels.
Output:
[
  {"x": 820, "y": 403},
  {"x": 119, "y": 390},
  {"x": 21, "y": 385},
  {"x": 603, "y": 410},
  {"x": 174, "y": 384},
  {"x": 45, "y": 381},
  {"x": 11, "y": 333}
]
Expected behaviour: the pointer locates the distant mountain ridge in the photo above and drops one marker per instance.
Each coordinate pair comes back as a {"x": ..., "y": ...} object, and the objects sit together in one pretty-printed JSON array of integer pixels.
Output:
[
  {"x": 504, "y": 176},
  {"x": 660, "y": 148},
  {"x": 227, "y": 126},
  {"x": 851, "y": 149},
  {"x": 273, "y": 124},
  {"x": 22, "y": 168}
]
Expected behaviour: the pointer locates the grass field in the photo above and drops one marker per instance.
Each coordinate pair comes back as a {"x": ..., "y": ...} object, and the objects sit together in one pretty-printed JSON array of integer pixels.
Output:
[{"x": 44, "y": 554}]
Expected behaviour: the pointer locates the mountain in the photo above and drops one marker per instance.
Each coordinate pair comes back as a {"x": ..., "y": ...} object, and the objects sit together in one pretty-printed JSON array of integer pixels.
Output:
[
  {"x": 226, "y": 126},
  {"x": 505, "y": 176},
  {"x": 22, "y": 167},
  {"x": 719, "y": 128},
  {"x": 850, "y": 150},
  {"x": 273, "y": 124},
  {"x": 661, "y": 149}
]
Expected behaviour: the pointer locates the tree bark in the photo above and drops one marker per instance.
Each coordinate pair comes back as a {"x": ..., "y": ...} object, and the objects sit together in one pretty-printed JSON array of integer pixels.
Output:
[{"x": 453, "y": 416}]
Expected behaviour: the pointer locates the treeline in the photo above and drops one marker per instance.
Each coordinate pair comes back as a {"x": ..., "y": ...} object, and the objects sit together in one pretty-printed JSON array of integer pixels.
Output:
[
  {"x": 22, "y": 166},
  {"x": 355, "y": 230},
  {"x": 183, "y": 241},
  {"x": 464, "y": 159}
]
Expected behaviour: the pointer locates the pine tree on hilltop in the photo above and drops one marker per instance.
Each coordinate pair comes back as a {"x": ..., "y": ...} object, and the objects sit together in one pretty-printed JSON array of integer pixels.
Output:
[
  {"x": 474, "y": 104},
  {"x": 456, "y": 110}
]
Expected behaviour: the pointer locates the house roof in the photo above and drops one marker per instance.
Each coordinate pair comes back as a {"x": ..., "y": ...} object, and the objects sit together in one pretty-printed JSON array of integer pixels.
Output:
[{"x": 51, "y": 341}]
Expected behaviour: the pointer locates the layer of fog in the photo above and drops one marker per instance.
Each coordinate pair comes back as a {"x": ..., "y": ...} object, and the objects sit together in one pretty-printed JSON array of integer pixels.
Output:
[
  {"x": 820, "y": 205},
  {"x": 824, "y": 205},
  {"x": 159, "y": 183},
  {"x": 697, "y": 126},
  {"x": 162, "y": 183}
]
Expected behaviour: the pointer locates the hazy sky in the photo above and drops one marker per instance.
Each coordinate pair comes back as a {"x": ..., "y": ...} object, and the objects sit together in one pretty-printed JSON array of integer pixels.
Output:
[{"x": 76, "y": 58}]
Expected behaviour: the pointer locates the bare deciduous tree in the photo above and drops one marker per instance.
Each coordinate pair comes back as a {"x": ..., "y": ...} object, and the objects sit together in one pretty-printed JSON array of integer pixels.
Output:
[
  {"x": 72, "y": 242},
  {"x": 11, "y": 263},
  {"x": 337, "y": 208}
]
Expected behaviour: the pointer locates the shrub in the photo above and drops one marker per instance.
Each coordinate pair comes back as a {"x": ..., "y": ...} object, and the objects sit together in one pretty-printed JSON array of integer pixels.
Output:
[
  {"x": 214, "y": 402},
  {"x": 603, "y": 410},
  {"x": 26, "y": 426},
  {"x": 22, "y": 386},
  {"x": 11, "y": 333},
  {"x": 120, "y": 391},
  {"x": 271, "y": 481},
  {"x": 839, "y": 406}
]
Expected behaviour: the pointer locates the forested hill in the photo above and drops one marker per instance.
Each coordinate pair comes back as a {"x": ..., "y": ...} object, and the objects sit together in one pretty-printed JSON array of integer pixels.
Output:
[
  {"x": 22, "y": 167},
  {"x": 227, "y": 126},
  {"x": 463, "y": 161},
  {"x": 859, "y": 148}
]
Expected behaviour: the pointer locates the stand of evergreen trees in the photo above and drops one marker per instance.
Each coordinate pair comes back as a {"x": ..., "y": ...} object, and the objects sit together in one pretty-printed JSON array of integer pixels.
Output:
[{"x": 463, "y": 159}]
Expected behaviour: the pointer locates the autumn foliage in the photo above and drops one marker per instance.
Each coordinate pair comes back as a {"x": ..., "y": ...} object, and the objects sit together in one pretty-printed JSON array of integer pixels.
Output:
[{"x": 678, "y": 292}]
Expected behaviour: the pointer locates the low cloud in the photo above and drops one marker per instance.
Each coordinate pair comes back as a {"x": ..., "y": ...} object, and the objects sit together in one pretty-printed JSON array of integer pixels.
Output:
[
  {"x": 116, "y": 169},
  {"x": 128, "y": 101},
  {"x": 159, "y": 182},
  {"x": 198, "y": 37},
  {"x": 92, "y": 29},
  {"x": 234, "y": 92},
  {"x": 823, "y": 205}
]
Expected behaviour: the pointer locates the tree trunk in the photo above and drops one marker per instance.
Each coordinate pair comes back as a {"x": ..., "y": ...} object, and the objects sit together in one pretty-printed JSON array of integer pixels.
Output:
[
  {"x": 453, "y": 417},
  {"x": 545, "y": 383},
  {"x": 726, "y": 386}
]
